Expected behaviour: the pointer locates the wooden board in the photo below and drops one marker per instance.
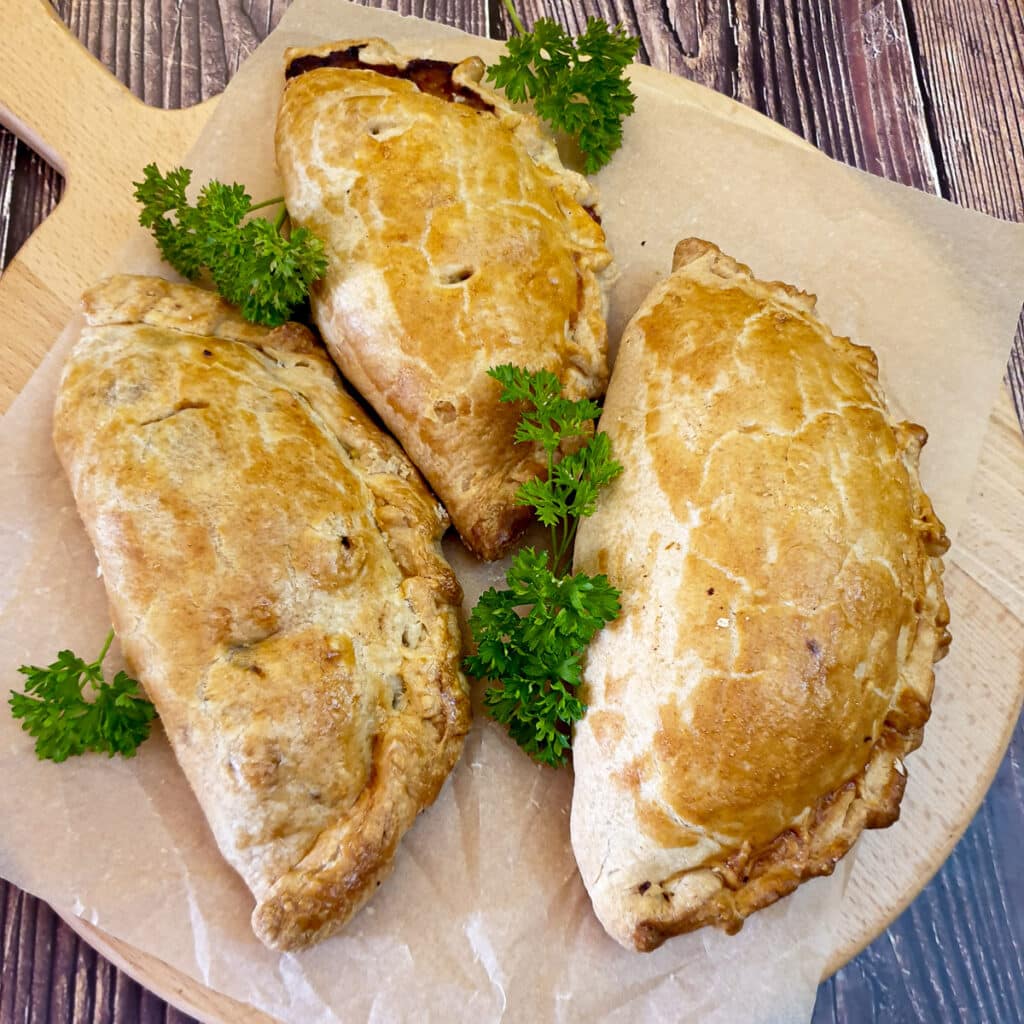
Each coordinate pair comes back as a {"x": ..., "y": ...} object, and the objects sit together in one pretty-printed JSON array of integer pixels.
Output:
[
  {"x": 93, "y": 130},
  {"x": 37, "y": 293}
]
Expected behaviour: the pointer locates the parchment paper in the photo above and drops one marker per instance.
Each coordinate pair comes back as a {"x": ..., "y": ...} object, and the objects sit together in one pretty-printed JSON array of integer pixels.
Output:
[{"x": 485, "y": 917}]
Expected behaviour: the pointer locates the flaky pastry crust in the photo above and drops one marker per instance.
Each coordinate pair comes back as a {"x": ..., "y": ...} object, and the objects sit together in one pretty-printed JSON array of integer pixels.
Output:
[
  {"x": 749, "y": 712},
  {"x": 457, "y": 242},
  {"x": 274, "y": 574}
]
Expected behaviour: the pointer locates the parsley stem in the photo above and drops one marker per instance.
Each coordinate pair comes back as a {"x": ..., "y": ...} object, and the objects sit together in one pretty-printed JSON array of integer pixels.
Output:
[
  {"x": 515, "y": 18},
  {"x": 266, "y": 202},
  {"x": 280, "y": 219},
  {"x": 570, "y": 536},
  {"x": 554, "y": 526},
  {"x": 106, "y": 647}
]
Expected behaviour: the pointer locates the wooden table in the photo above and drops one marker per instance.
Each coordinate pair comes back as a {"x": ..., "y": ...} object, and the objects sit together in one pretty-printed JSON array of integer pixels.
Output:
[{"x": 926, "y": 92}]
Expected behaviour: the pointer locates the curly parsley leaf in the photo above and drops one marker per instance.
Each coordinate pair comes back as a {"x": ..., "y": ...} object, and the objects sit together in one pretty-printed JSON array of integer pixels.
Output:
[
  {"x": 569, "y": 491},
  {"x": 161, "y": 193},
  {"x": 531, "y": 636},
  {"x": 253, "y": 264},
  {"x": 55, "y": 711},
  {"x": 576, "y": 85}
]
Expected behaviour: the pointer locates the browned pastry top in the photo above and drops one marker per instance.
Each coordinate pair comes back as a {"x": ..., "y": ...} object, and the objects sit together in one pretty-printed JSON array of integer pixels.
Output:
[
  {"x": 782, "y": 607},
  {"x": 274, "y": 573},
  {"x": 457, "y": 242}
]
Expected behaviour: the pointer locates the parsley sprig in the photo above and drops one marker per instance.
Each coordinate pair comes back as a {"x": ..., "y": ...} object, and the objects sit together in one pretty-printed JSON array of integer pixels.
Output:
[
  {"x": 253, "y": 264},
  {"x": 568, "y": 492},
  {"x": 54, "y": 709},
  {"x": 576, "y": 85},
  {"x": 531, "y": 637}
]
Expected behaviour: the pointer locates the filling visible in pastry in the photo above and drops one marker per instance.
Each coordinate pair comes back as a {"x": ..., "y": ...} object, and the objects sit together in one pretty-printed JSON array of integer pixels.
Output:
[{"x": 430, "y": 76}]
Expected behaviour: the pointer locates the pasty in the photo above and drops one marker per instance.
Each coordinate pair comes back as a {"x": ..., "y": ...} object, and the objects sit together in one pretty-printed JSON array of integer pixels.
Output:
[
  {"x": 273, "y": 569},
  {"x": 749, "y": 712},
  {"x": 457, "y": 242}
]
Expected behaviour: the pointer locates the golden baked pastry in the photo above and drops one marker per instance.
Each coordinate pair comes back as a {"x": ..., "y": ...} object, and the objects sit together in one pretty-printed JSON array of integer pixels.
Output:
[
  {"x": 457, "y": 242},
  {"x": 782, "y": 607},
  {"x": 274, "y": 574}
]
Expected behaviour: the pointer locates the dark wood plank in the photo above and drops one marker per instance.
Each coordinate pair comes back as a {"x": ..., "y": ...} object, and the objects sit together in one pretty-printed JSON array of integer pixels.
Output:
[
  {"x": 65, "y": 947},
  {"x": 37, "y": 188},
  {"x": 43, "y": 952},
  {"x": 48, "y": 975},
  {"x": 29, "y": 189},
  {"x": 84, "y": 991},
  {"x": 889, "y": 105},
  {"x": 971, "y": 63},
  {"x": 10, "y": 924},
  {"x": 23, "y": 932},
  {"x": 8, "y": 156}
]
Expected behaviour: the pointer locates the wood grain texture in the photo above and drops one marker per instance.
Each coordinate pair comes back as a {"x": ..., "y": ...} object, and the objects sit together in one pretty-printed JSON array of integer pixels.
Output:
[
  {"x": 971, "y": 63},
  {"x": 958, "y": 952},
  {"x": 48, "y": 974},
  {"x": 928, "y": 93},
  {"x": 30, "y": 189},
  {"x": 90, "y": 126},
  {"x": 8, "y": 157}
]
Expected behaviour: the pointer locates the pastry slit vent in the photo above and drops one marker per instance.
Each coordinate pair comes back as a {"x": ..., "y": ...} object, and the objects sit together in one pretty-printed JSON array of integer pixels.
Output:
[
  {"x": 179, "y": 408},
  {"x": 381, "y": 129},
  {"x": 397, "y": 684},
  {"x": 456, "y": 275},
  {"x": 433, "y": 77},
  {"x": 412, "y": 634}
]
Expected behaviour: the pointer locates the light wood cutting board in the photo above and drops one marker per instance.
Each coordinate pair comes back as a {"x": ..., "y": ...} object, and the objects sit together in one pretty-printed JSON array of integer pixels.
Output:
[{"x": 98, "y": 134}]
